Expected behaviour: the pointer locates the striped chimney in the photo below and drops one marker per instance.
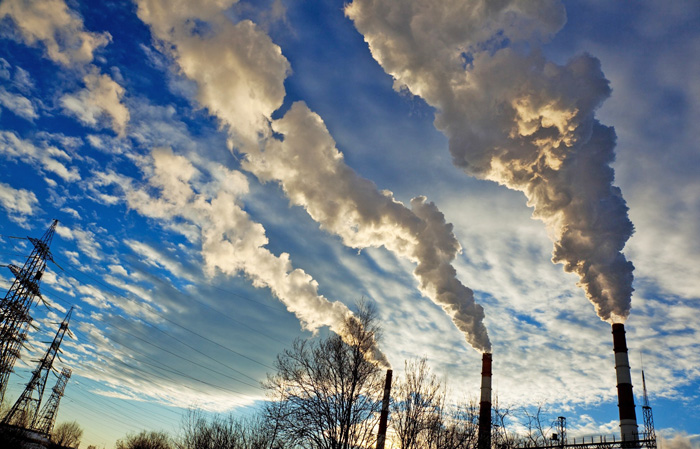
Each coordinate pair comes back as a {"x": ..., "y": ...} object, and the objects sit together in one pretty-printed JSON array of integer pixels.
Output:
[
  {"x": 628, "y": 417},
  {"x": 384, "y": 416},
  {"x": 484, "y": 441}
]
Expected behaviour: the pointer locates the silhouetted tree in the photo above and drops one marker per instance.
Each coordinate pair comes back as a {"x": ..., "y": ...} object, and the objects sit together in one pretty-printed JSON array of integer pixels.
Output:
[
  {"x": 537, "y": 429},
  {"x": 416, "y": 411},
  {"x": 255, "y": 432},
  {"x": 460, "y": 426},
  {"x": 67, "y": 434},
  {"x": 502, "y": 437},
  {"x": 327, "y": 392},
  {"x": 145, "y": 440}
]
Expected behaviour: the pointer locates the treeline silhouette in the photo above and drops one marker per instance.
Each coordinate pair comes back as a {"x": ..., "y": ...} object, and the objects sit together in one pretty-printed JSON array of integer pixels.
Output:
[{"x": 325, "y": 394}]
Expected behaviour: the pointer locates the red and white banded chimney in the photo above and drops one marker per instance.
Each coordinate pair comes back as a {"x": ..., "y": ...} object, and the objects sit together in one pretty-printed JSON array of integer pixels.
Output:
[
  {"x": 484, "y": 439},
  {"x": 384, "y": 416},
  {"x": 628, "y": 417}
]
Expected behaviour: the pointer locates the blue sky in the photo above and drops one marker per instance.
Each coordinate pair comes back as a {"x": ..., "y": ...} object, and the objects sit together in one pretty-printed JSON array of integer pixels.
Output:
[{"x": 229, "y": 176}]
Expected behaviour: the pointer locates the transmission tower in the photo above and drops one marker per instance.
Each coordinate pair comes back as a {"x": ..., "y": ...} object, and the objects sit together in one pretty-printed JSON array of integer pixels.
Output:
[
  {"x": 14, "y": 307},
  {"x": 47, "y": 416},
  {"x": 25, "y": 411},
  {"x": 649, "y": 431}
]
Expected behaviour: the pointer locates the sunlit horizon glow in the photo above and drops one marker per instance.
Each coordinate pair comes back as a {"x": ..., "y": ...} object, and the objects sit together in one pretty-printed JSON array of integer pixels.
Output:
[{"x": 232, "y": 175}]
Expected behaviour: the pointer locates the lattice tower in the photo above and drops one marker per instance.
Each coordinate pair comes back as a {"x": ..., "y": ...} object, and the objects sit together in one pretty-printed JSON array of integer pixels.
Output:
[
  {"x": 47, "y": 416},
  {"x": 14, "y": 307},
  {"x": 25, "y": 411},
  {"x": 648, "y": 417}
]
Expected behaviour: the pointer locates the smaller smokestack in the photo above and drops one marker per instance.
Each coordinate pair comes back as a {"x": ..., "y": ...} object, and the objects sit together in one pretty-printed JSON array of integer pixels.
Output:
[
  {"x": 384, "y": 417},
  {"x": 625, "y": 397},
  {"x": 484, "y": 441}
]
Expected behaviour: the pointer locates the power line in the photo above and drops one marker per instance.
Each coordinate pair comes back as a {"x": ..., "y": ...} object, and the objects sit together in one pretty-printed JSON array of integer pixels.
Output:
[
  {"x": 181, "y": 357},
  {"x": 179, "y": 325},
  {"x": 172, "y": 353},
  {"x": 165, "y": 367},
  {"x": 276, "y": 308},
  {"x": 199, "y": 352},
  {"x": 229, "y": 317},
  {"x": 145, "y": 414},
  {"x": 85, "y": 405}
]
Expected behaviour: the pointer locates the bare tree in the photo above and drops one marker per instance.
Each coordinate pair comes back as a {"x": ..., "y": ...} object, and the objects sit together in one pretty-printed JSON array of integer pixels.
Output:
[
  {"x": 416, "y": 412},
  {"x": 460, "y": 426},
  {"x": 67, "y": 434},
  {"x": 145, "y": 440},
  {"x": 501, "y": 436},
  {"x": 536, "y": 429},
  {"x": 226, "y": 432},
  {"x": 328, "y": 392}
]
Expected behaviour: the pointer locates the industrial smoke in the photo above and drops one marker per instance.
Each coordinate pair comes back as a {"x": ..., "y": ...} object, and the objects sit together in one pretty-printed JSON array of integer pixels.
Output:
[
  {"x": 240, "y": 76},
  {"x": 231, "y": 241},
  {"x": 515, "y": 118}
]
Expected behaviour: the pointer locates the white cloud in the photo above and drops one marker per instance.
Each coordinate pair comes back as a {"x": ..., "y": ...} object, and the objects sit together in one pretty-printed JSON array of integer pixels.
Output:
[
  {"x": 22, "y": 80},
  {"x": 73, "y": 256},
  {"x": 45, "y": 157},
  {"x": 85, "y": 240},
  {"x": 118, "y": 269},
  {"x": 59, "y": 29},
  {"x": 72, "y": 212},
  {"x": 159, "y": 259},
  {"x": 18, "y": 104},
  {"x": 231, "y": 241},
  {"x": 101, "y": 97},
  {"x": 19, "y": 203}
]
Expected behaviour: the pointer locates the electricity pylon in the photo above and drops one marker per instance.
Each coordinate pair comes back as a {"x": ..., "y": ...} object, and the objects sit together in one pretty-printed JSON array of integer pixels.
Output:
[
  {"x": 648, "y": 417},
  {"x": 47, "y": 416},
  {"x": 25, "y": 411},
  {"x": 14, "y": 307}
]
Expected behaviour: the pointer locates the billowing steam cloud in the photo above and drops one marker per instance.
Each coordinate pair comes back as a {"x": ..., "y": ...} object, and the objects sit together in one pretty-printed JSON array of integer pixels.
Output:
[
  {"x": 231, "y": 241},
  {"x": 240, "y": 75},
  {"x": 314, "y": 175},
  {"x": 515, "y": 118}
]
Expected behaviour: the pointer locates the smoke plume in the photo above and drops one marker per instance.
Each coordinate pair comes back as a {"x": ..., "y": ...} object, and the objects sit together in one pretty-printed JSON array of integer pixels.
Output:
[
  {"x": 231, "y": 241},
  {"x": 517, "y": 119},
  {"x": 314, "y": 175},
  {"x": 240, "y": 73}
]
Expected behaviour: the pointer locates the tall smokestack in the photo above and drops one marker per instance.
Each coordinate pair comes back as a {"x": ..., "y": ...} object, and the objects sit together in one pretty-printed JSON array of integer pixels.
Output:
[
  {"x": 383, "y": 418},
  {"x": 628, "y": 417},
  {"x": 484, "y": 441}
]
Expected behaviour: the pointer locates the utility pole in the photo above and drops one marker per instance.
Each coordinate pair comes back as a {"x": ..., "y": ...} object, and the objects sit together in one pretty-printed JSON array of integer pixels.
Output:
[
  {"x": 25, "y": 411},
  {"x": 47, "y": 416},
  {"x": 14, "y": 307}
]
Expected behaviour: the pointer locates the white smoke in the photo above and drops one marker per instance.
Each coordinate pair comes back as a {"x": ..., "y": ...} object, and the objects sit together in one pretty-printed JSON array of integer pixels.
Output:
[
  {"x": 240, "y": 73},
  {"x": 680, "y": 440},
  {"x": 314, "y": 175},
  {"x": 517, "y": 119},
  {"x": 231, "y": 241}
]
